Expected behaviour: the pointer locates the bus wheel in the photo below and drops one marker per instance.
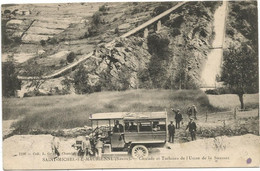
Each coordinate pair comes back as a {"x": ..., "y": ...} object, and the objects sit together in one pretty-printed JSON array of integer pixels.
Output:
[{"x": 139, "y": 152}]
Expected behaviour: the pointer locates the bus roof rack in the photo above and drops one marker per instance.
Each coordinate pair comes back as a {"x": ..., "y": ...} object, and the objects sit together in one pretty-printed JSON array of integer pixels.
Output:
[{"x": 128, "y": 115}]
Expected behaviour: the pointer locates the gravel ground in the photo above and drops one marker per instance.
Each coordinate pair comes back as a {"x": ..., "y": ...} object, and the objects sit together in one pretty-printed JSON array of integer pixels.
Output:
[{"x": 34, "y": 152}]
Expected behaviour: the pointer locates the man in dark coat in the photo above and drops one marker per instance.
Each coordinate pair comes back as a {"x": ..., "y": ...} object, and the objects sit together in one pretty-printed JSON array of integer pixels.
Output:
[
  {"x": 194, "y": 111},
  {"x": 189, "y": 112},
  {"x": 118, "y": 127},
  {"x": 192, "y": 129},
  {"x": 171, "y": 130},
  {"x": 178, "y": 117}
]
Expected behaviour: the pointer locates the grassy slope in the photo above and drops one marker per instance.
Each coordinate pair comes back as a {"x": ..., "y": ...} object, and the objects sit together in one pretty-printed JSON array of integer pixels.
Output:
[
  {"x": 231, "y": 100},
  {"x": 69, "y": 111}
]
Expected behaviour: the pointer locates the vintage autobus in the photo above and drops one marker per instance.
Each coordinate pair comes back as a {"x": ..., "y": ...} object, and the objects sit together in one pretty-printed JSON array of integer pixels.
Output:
[{"x": 133, "y": 133}]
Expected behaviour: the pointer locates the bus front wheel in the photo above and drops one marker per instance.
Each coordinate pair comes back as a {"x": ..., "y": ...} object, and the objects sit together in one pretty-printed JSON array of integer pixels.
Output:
[{"x": 139, "y": 152}]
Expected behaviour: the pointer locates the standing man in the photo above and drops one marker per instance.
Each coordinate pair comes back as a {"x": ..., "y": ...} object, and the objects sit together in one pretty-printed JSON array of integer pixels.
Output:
[
  {"x": 99, "y": 146},
  {"x": 178, "y": 117},
  {"x": 118, "y": 127},
  {"x": 55, "y": 144},
  {"x": 192, "y": 129},
  {"x": 189, "y": 112},
  {"x": 87, "y": 146},
  {"x": 194, "y": 111},
  {"x": 171, "y": 130}
]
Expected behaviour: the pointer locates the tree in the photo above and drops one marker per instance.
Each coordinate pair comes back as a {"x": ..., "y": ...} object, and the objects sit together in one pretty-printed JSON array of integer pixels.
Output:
[
  {"x": 81, "y": 84},
  {"x": 96, "y": 18},
  {"x": 158, "y": 47},
  {"x": 240, "y": 71},
  {"x": 43, "y": 42},
  {"x": 9, "y": 78},
  {"x": 71, "y": 56},
  {"x": 66, "y": 85}
]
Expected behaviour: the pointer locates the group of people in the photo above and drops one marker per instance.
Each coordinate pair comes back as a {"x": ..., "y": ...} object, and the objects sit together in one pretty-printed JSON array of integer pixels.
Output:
[{"x": 191, "y": 127}]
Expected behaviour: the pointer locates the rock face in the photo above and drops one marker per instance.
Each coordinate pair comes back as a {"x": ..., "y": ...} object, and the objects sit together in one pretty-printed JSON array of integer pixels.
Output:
[
  {"x": 116, "y": 67},
  {"x": 113, "y": 67},
  {"x": 120, "y": 62},
  {"x": 242, "y": 24},
  {"x": 191, "y": 33}
]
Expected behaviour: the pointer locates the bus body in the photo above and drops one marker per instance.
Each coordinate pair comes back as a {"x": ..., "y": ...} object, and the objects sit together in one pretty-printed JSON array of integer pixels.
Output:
[{"x": 131, "y": 132}]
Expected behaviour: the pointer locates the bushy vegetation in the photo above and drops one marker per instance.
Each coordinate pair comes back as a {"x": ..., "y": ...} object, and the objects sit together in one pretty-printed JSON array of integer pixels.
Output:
[
  {"x": 96, "y": 18},
  {"x": 43, "y": 42},
  {"x": 71, "y": 56},
  {"x": 69, "y": 111},
  {"x": 9, "y": 78},
  {"x": 161, "y": 8},
  {"x": 245, "y": 19},
  {"x": 240, "y": 59},
  {"x": 52, "y": 41},
  {"x": 240, "y": 71},
  {"x": 157, "y": 67},
  {"x": 80, "y": 81},
  {"x": 104, "y": 8},
  {"x": 165, "y": 71}
]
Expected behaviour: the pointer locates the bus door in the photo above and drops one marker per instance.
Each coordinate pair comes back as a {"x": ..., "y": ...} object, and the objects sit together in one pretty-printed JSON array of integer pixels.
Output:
[{"x": 117, "y": 137}]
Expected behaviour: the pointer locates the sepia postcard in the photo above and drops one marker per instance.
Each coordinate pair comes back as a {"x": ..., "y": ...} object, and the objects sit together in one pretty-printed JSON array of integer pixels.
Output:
[{"x": 101, "y": 85}]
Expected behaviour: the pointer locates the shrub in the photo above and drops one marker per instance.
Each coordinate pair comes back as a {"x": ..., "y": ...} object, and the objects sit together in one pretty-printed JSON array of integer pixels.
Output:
[
  {"x": 175, "y": 32},
  {"x": 116, "y": 31},
  {"x": 9, "y": 77},
  {"x": 144, "y": 79},
  {"x": 214, "y": 91},
  {"x": 221, "y": 90},
  {"x": 103, "y": 8},
  {"x": 17, "y": 40},
  {"x": 63, "y": 62},
  {"x": 43, "y": 42},
  {"x": 7, "y": 11},
  {"x": 158, "y": 44},
  {"x": 52, "y": 41},
  {"x": 80, "y": 80},
  {"x": 115, "y": 19},
  {"x": 86, "y": 34},
  {"x": 96, "y": 18},
  {"x": 160, "y": 9},
  {"x": 92, "y": 30},
  {"x": 136, "y": 10},
  {"x": 250, "y": 106},
  {"x": 71, "y": 56},
  {"x": 176, "y": 22},
  {"x": 119, "y": 44},
  {"x": 230, "y": 31}
]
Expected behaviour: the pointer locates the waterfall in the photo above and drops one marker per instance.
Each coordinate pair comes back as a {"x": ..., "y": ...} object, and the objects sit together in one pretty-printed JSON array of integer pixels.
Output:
[{"x": 212, "y": 66}]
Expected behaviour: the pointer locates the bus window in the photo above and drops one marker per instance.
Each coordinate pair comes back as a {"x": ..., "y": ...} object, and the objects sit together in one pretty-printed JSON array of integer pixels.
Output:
[
  {"x": 118, "y": 127},
  {"x": 131, "y": 127},
  {"x": 159, "y": 126},
  {"x": 145, "y": 126},
  {"x": 156, "y": 126}
]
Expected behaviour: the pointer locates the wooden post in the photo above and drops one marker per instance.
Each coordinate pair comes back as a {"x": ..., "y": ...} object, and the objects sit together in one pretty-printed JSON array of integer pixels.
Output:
[
  {"x": 166, "y": 124},
  {"x": 235, "y": 113},
  {"x": 258, "y": 123},
  {"x": 146, "y": 32},
  {"x": 159, "y": 25}
]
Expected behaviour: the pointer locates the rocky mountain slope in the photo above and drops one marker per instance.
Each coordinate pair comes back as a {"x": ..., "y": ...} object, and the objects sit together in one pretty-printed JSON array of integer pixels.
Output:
[
  {"x": 171, "y": 57},
  {"x": 241, "y": 24}
]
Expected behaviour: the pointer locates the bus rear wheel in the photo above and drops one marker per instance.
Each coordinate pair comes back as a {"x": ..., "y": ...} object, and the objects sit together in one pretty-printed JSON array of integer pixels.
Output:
[{"x": 139, "y": 152}]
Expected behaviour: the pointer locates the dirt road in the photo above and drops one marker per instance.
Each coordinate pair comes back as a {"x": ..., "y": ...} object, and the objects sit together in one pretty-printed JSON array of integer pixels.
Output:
[{"x": 34, "y": 152}]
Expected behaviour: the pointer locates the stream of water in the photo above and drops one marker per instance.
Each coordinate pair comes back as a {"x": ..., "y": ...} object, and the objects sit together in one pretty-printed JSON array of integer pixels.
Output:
[{"x": 212, "y": 66}]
